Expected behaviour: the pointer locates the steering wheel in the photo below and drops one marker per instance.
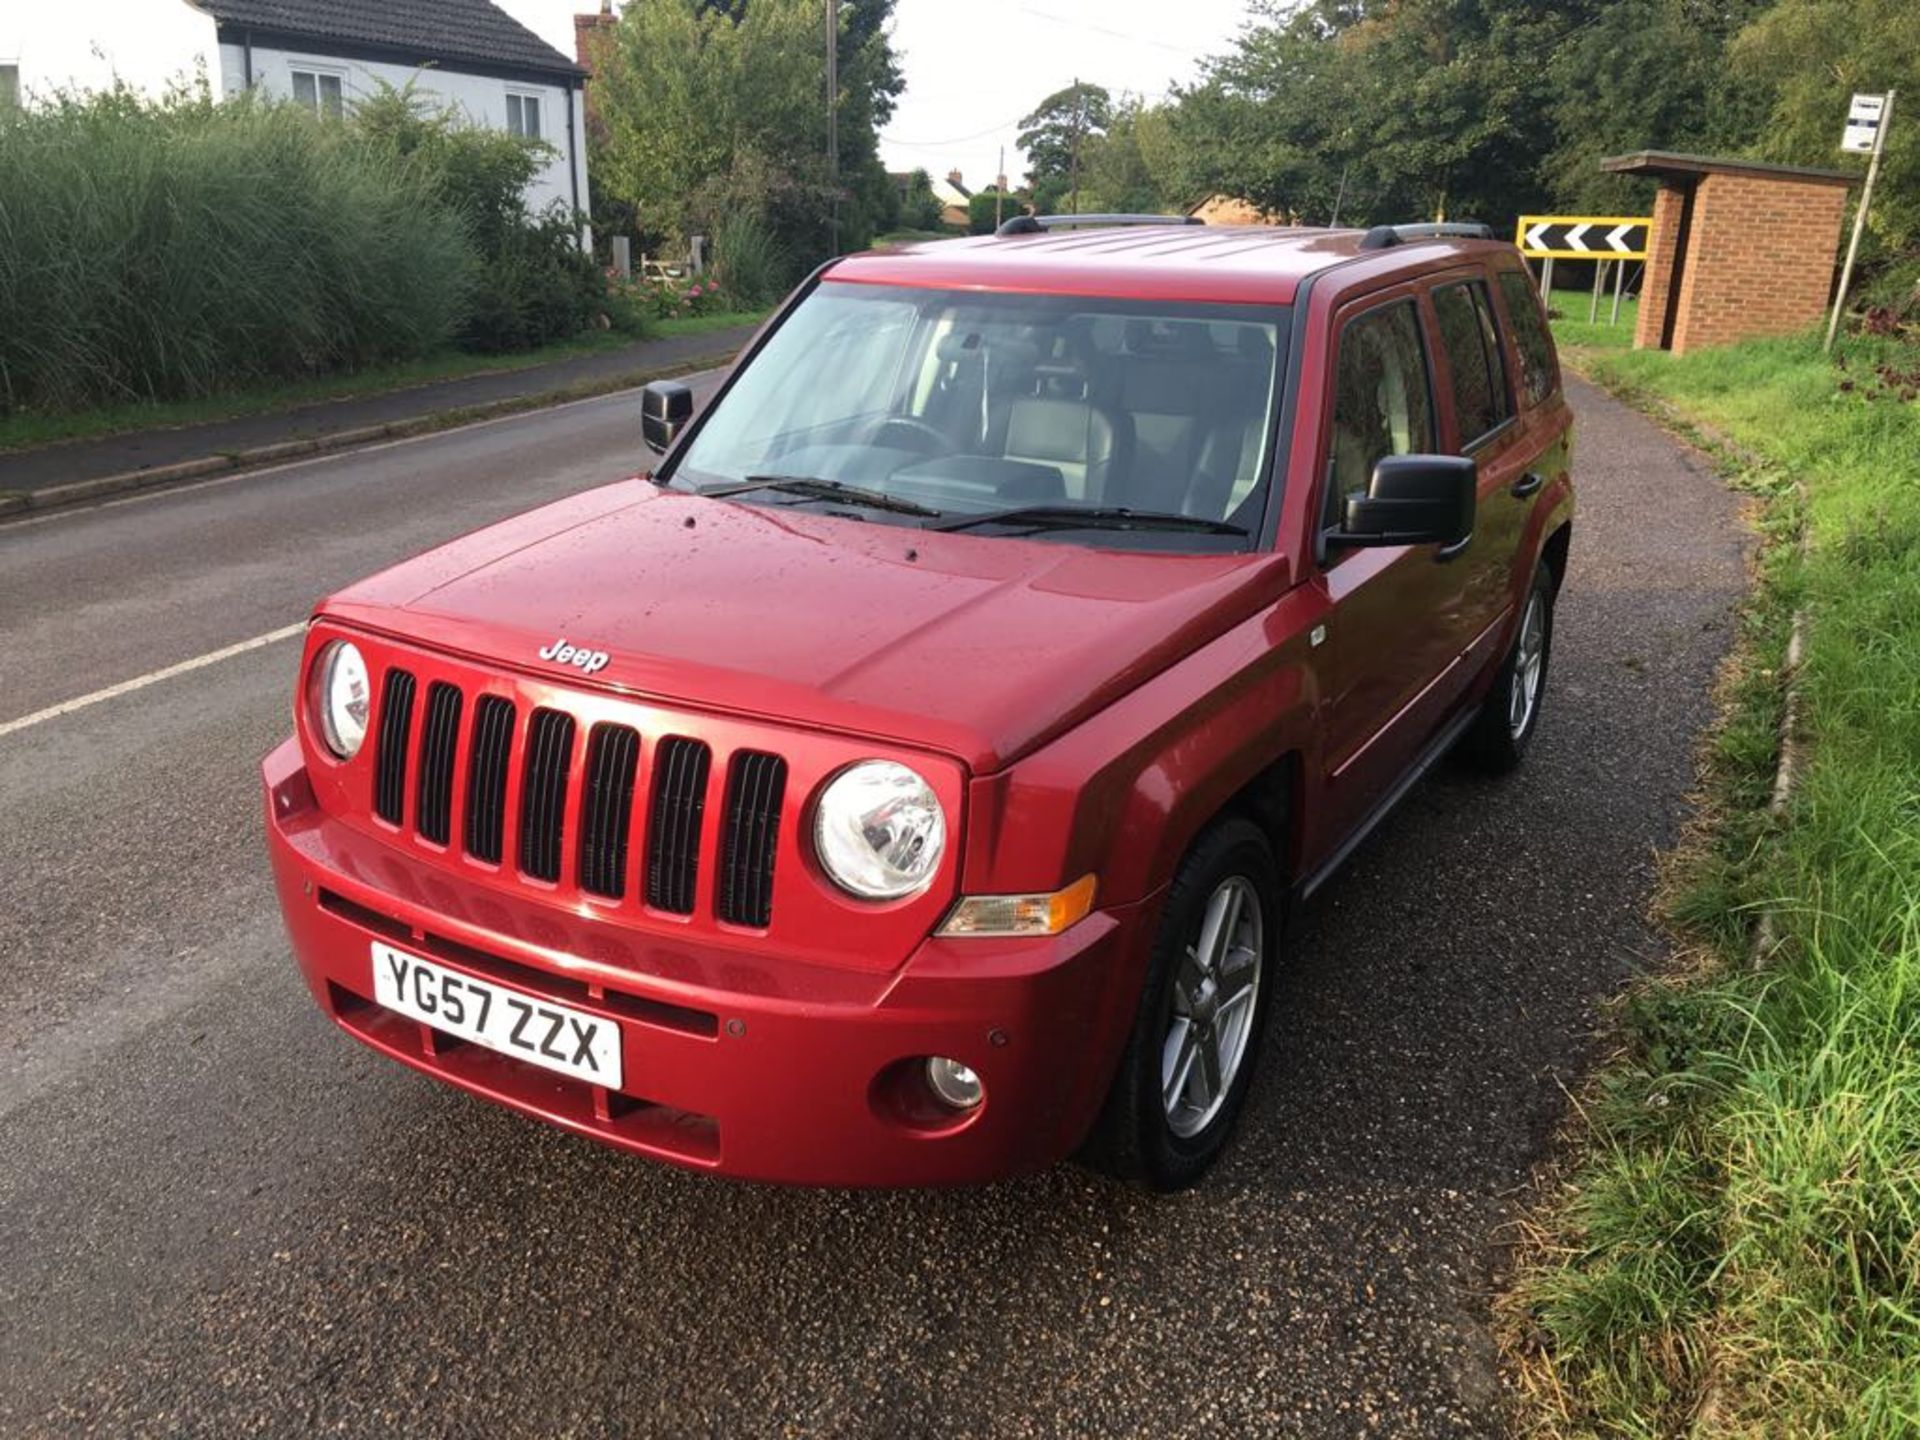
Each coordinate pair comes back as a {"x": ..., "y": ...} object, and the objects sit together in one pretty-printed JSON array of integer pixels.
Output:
[{"x": 915, "y": 435}]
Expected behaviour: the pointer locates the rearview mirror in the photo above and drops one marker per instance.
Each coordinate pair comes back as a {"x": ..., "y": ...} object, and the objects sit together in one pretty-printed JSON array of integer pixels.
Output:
[
  {"x": 665, "y": 408},
  {"x": 1414, "y": 500}
]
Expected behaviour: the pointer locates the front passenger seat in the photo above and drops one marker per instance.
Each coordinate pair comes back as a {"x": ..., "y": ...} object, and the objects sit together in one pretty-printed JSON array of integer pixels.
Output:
[{"x": 1085, "y": 443}]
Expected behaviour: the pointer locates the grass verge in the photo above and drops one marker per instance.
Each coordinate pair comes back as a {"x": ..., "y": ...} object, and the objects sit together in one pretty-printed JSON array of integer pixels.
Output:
[
  {"x": 1733, "y": 1245},
  {"x": 30, "y": 428}
]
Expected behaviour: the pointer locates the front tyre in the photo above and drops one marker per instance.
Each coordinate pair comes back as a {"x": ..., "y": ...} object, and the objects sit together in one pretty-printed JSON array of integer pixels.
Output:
[
  {"x": 1497, "y": 740},
  {"x": 1188, "y": 1063}
]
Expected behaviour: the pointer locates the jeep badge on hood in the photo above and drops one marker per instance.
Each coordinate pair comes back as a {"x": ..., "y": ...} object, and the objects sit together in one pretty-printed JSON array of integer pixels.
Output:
[{"x": 592, "y": 662}]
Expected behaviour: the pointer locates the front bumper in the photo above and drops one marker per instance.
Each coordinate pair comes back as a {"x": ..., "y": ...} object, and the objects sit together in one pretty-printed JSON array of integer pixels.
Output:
[{"x": 735, "y": 1061}]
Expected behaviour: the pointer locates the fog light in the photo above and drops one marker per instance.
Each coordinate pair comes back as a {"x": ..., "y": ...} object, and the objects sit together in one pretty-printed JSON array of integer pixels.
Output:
[{"x": 954, "y": 1083}]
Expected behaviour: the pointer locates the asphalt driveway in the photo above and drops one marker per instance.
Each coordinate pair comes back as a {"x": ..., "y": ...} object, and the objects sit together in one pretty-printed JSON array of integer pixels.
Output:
[{"x": 221, "y": 1216}]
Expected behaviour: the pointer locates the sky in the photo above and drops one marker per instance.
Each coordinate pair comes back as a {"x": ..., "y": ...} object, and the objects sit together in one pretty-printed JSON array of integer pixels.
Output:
[{"x": 973, "y": 67}]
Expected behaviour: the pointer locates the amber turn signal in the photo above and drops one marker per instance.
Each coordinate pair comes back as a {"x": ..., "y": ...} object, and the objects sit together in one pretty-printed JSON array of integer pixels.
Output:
[{"x": 1042, "y": 914}]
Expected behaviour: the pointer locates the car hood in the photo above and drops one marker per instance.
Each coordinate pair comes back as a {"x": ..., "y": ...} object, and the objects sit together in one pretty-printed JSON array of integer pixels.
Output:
[{"x": 983, "y": 647}]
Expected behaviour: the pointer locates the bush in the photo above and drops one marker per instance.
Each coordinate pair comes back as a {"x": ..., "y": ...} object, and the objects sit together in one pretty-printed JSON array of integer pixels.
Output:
[
  {"x": 160, "y": 250},
  {"x": 536, "y": 285},
  {"x": 980, "y": 211}
]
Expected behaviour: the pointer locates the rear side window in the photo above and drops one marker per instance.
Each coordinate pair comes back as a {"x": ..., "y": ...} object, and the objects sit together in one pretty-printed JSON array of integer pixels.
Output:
[
  {"x": 1473, "y": 354},
  {"x": 1381, "y": 403},
  {"x": 1538, "y": 372}
]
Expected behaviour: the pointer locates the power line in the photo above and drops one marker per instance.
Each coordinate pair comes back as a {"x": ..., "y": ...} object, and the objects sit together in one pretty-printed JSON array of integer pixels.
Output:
[
  {"x": 1128, "y": 36},
  {"x": 956, "y": 140}
]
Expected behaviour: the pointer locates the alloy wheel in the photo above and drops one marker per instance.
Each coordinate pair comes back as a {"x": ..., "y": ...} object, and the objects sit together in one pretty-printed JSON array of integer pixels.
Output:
[
  {"x": 1215, "y": 995},
  {"x": 1529, "y": 663}
]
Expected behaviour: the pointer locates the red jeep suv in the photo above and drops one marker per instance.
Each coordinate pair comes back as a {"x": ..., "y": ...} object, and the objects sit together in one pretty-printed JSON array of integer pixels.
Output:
[{"x": 908, "y": 780}]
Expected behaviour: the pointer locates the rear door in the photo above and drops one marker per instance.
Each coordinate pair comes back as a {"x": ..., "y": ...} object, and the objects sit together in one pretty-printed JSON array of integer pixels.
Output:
[
  {"x": 1546, "y": 424},
  {"x": 1390, "y": 641},
  {"x": 1484, "y": 424}
]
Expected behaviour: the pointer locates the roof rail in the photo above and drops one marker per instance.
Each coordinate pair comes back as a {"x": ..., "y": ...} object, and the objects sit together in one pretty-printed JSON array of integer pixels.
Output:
[
  {"x": 1036, "y": 224},
  {"x": 1382, "y": 237}
]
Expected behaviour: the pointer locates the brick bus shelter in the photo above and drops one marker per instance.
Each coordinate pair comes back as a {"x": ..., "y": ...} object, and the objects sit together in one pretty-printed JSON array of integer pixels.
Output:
[{"x": 1739, "y": 249}]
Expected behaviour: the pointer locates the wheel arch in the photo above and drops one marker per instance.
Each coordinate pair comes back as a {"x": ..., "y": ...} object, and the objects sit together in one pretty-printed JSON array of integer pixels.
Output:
[{"x": 1555, "y": 551}]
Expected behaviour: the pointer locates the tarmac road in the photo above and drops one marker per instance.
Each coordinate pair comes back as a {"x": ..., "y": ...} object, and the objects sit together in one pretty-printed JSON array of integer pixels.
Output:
[{"x": 218, "y": 1215}]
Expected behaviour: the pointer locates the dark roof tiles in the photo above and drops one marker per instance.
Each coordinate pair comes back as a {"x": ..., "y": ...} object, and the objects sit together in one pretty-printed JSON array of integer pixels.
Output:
[{"x": 417, "y": 31}]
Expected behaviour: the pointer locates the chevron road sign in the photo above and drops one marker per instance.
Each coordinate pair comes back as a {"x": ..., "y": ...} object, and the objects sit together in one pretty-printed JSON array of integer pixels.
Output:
[{"x": 1583, "y": 237}]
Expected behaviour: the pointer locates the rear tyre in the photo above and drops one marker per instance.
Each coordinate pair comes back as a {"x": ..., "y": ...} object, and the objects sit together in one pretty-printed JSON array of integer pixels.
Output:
[
  {"x": 1497, "y": 740},
  {"x": 1196, "y": 1039}
]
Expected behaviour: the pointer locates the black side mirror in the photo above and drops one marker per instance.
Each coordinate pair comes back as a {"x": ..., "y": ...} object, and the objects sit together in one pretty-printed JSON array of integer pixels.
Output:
[
  {"x": 665, "y": 408},
  {"x": 1414, "y": 500}
]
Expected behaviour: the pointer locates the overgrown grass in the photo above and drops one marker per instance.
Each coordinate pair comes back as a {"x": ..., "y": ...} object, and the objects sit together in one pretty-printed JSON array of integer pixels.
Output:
[
  {"x": 173, "y": 249},
  {"x": 1736, "y": 1250}
]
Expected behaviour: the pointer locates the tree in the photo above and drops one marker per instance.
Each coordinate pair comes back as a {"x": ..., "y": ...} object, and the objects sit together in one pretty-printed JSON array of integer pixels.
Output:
[
  {"x": 1644, "y": 75},
  {"x": 1125, "y": 169},
  {"x": 1055, "y": 133},
  {"x": 1393, "y": 109},
  {"x": 710, "y": 108},
  {"x": 1808, "y": 56},
  {"x": 921, "y": 210}
]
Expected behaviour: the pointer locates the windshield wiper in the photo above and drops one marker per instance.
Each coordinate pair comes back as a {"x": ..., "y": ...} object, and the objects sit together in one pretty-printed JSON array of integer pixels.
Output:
[
  {"x": 815, "y": 489},
  {"x": 1098, "y": 517}
]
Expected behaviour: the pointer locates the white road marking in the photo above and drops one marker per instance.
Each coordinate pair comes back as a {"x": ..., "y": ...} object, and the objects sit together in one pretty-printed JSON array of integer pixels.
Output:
[{"x": 153, "y": 677}]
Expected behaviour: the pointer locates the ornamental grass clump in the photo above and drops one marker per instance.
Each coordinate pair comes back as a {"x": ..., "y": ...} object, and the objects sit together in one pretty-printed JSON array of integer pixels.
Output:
[{"x": 176, "y": 248}]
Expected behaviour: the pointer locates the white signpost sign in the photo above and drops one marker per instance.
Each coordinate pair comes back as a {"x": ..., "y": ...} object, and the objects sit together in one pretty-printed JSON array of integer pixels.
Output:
[
  {"x": 1863, "y": 123},
  {"x": 1867, "y": 121}
]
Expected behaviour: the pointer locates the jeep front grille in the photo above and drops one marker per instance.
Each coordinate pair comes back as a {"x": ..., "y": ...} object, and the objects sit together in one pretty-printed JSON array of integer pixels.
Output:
[
  {"x": 613, "y": 758},
  {"x": 543, "y": 793},
  {"x": 680, "y": 768},
  {"x": 487, "y": 778},
  {"x": 390, "y": 763},
  {"x": 755, "y": 784},
  {"x": 614, "y": 811},
  {"x": 439, "y": 738}
]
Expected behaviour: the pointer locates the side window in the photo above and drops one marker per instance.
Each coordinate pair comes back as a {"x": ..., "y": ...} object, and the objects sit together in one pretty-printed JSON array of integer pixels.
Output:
[
  {"x": 319, "y": 92},
  {"x": 1480, "y": 398},
  {"x": 523, "y": 116},
  {"x": 1382, "y": 400},
  {"x": 1538, "y": 372}
]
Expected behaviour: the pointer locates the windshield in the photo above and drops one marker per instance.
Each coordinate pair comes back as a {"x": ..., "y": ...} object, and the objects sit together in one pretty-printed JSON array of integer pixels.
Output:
[{"x": 1082, "y": 417}]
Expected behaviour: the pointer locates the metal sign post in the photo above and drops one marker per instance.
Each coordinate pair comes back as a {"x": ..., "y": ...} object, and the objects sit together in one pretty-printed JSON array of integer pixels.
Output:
[{"x": 1867, "y": 123}]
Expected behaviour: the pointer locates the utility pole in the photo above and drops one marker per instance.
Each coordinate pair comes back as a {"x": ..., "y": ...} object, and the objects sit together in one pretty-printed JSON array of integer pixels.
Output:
[
  {"x": 1860, "y": 219},
  {"x": 1079, "y": 118},
  {"x": 833, "y": 115},
  {"x": 1000, "y": 187}
]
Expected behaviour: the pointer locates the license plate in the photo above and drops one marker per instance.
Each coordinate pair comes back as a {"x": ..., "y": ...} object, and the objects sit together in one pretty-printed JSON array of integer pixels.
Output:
[{"x": 524, "y": 1026}]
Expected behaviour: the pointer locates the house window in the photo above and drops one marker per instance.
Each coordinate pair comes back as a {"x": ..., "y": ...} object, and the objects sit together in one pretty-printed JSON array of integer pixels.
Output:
[
  {"x": 319, "y": 92},
  {"x": 523, "y": 116},
  {"x": 9, "y": 86}
]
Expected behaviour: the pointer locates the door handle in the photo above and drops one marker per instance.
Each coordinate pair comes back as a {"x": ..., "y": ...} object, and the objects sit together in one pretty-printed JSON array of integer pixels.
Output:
[{"x": 1527, "y": 484}]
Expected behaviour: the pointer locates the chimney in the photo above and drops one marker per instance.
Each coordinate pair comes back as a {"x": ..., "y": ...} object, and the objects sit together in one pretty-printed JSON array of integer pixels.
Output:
[
  {"x": 585, "y": 27},
  {"x": 953, "y": 179}
]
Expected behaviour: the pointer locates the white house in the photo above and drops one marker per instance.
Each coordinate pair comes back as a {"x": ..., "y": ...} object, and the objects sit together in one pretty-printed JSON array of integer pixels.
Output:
[{"x": 323, "y": 53}]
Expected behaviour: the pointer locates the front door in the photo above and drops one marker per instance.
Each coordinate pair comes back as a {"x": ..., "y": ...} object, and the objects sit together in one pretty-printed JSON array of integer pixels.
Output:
[{"x": 1395, "y": 612}]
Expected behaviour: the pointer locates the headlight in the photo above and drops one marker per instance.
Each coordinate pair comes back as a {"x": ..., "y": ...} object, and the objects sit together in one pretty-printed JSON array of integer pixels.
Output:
[
  {"x": 340, "y": 698},
  {"x": 879, "y": 830}
]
